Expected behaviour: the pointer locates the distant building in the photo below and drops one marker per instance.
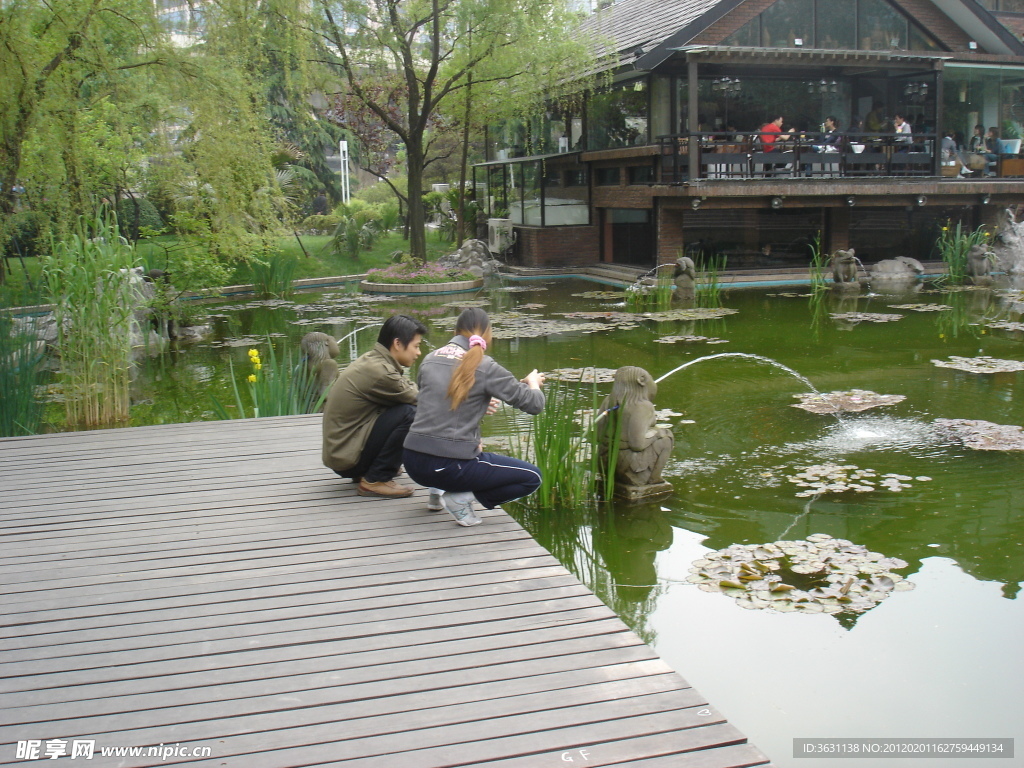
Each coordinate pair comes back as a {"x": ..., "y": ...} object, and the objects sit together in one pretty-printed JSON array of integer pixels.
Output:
[{"x": 672, "y": 156}]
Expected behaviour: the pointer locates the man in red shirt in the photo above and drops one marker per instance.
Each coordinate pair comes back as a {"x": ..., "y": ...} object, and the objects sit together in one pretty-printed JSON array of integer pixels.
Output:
[{"x": 771, "y": 131}]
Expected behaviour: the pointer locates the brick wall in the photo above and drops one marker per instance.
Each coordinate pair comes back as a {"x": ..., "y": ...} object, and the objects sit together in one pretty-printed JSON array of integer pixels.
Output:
[{"x": 557, "y": 246}]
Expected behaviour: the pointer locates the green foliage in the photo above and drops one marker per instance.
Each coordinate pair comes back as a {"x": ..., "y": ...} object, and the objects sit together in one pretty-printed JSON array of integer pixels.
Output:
[
  {"x": 320, "y": 224},
  {"x": 93, "y": 297},
  {"x": 272, "y": 277},
  {"x": 709, "y": 284},
  {"x": 20, "y": 373},
  {"x": 954, "y": 244},
  {"x": 560, "y": 441},
  {"x": 354, "y": 234},
  {"x": 819, "y": 265},
  {"x": 274, "y": 388},
  {"x": 411, "y": 271},
  {"x": 149, "y": 218},
  {"x": 642, "y": 296}
]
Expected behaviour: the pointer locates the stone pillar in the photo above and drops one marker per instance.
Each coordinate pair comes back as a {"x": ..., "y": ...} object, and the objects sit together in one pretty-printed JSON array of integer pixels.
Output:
[
  {"x": 670, "y": 235},
  {"x": 837, "y": 230}
]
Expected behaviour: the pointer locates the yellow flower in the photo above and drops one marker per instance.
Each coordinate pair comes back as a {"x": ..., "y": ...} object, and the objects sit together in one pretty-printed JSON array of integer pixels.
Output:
[
  {"x": 258, "y": 366},
  {"x": 252, "y": 378},
  {"x": 254, "y": 353},
  {"x": 942, "y": 335}
]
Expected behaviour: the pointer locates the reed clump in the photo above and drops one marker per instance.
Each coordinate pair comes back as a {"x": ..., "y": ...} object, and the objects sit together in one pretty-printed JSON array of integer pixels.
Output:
[
  {"x": 95, "y": 295},
  {"x": 954, "y": 245},
  {"x": 21, "y": 356},
  {"x": 271, "y": 388}
]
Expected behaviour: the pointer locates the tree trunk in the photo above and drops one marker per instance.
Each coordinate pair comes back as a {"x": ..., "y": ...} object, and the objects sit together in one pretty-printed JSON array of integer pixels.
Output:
[
  {"x": 417, "y": 217},
  {"x": 461, "y": 231}
]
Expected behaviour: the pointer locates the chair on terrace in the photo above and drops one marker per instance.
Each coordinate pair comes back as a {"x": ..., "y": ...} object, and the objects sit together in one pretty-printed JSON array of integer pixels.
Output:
[{"x": 911, "y": 164}]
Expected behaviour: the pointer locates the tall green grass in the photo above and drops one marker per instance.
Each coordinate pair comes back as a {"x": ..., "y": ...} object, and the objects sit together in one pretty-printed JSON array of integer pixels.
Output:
[
  {"x": 560, "y": 441},
  {"x": 20, "y": 373},
  {"x": 94, "y": 300},
  {"x": 954, "y": 244},
  {"x": 272, "y": 277},
  {"x": 274, "y": 387},
  {"x": 656, "y": 297},
  {"x": 709, "y": 281}
]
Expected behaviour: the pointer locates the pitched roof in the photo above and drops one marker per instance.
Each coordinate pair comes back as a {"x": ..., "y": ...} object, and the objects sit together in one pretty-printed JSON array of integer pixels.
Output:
[{"x": 630, "y": 26}]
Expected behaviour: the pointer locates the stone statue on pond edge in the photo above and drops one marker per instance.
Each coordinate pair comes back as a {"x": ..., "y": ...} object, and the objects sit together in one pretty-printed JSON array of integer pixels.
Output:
[{"x": 627, "y": 430}]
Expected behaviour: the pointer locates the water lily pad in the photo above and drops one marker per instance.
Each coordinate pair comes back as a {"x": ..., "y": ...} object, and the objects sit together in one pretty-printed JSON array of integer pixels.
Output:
[
  {"x": 589, "y": 375},
  {"x": 922, "y": 307},
  {"x": 850, "y": 400},
  {"x": 820, "y": 574},
  {"x": 983, "y": 435},
  {"x": 866, "y": 317},
  {"x": 694, "y": 313},
  {"x": 606, "y": 295},
  {"x": 689, "y": 339},
  {"x": 981, "y": 364}
]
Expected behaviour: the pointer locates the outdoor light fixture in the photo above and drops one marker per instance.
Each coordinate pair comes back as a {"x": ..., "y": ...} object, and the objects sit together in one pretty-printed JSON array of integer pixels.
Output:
[
  {"x": 798, "y": 41},
  {"x": 986, "y": 199},
  {"x": 728, "y": 85},
  {"x": 695, "y": 203},
  {"x": 851, "y": 201},
  {"x": 822, "y": 86},
  {"x": 972, "y": 45},
  {"x": 921, "y": 200},
  {"x": 776, "y": 203}
]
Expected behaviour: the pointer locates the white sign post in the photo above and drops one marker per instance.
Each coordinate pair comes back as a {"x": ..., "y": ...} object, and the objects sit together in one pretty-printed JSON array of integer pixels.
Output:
[{"x": 345, "y": 190}]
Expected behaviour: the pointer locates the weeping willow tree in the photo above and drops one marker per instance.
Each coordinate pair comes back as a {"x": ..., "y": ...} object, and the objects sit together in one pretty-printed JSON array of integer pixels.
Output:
[{"x": 407, "y": 68}]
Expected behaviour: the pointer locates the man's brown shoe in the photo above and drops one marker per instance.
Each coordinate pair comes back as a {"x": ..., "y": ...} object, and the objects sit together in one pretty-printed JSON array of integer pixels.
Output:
[{"x": 388, "y": 489}]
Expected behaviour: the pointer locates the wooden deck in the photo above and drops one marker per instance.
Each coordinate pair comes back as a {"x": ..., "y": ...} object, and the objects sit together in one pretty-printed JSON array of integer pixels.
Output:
[{"x": 211, "y": 585}]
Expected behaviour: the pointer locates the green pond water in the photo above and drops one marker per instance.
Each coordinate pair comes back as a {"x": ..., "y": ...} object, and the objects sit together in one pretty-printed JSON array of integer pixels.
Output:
[{"x": 941, "y": 660}]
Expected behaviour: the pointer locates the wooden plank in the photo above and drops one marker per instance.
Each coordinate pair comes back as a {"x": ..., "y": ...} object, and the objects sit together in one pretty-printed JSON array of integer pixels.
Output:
[{"x": 211, "y": 582}]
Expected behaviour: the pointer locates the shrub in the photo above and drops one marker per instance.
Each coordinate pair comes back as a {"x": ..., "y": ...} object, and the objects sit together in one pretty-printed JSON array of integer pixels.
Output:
[
  {"x": 411, "y": 272},
  {"x": 148, "y": 215}
]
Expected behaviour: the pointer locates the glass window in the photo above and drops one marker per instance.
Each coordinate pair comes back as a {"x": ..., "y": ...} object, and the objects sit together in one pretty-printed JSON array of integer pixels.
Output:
[
  {"x": 618, "y": 117},
  {"x": 919, "y": 41},
  {"x": 564, "y": 205},
  {"x": 881, "y": 27},
  {"x": 787, "y": 21},
  {"x": 606, "y": 177},
  {"x": 641, "y": 174},
  {"x": 749, "y": 35},
  {"x": 835, "y": 25}
]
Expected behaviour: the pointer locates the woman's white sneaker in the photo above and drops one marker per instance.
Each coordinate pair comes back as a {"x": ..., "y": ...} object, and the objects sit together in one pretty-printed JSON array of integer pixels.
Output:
[{"x": 460, "y": 506}]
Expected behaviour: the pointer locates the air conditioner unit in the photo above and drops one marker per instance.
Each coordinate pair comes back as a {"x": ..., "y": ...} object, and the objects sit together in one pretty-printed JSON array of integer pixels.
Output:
[{"x": 499, "y": 235}]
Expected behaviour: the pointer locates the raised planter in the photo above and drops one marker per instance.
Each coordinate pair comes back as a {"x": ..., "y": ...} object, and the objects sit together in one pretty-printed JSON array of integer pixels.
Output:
[{"x": 419, "y": 289}]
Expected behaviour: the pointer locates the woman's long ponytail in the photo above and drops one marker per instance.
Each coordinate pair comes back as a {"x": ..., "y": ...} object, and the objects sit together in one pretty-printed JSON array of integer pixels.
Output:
[{"x": 472, "y": 322}]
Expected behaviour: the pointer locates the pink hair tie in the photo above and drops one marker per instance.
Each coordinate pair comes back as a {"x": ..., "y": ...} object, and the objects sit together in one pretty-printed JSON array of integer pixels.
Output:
[{"x": 477, "y": 341}]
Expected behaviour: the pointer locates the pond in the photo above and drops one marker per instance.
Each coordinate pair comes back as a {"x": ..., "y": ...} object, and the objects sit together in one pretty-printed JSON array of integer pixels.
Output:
[{"x": 941, "y": 659}]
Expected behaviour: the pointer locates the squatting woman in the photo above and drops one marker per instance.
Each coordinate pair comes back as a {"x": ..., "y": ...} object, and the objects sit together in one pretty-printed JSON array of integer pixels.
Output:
[{"x": 443, "y": 451}]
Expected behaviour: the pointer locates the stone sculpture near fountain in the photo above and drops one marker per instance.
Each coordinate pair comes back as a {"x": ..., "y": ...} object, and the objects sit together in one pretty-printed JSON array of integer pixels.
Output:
[
  {"x": 643, "y": 447},
  {"x": 1008, "y": 245},
  {"x": 685, "y": 277},
  {"x": 844, "y": 271},
  {"x": 896, "y": 275},
  {"x": 319, "y": 352},
  {"x": 979, "y": 264}
]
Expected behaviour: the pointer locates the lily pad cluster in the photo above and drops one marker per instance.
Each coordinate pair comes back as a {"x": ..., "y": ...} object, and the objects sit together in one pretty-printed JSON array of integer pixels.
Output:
[
  {"x": 513, "y": 325},
  {"x": 607, "y": 295},
  {"x": 588, "y": 375},
  {"x": 824, "y": 478},
  {"x": 983, "y": 435},
  {"x": 818, "y": 575},
  {"x": 693, "y": 313},
  {"x": 841, "y": 401},
  {"x": 1007, "y": 325},
  {"x": 981, "y": 364},
  {"x": 674, "y": 339},
  {"x": 866, "y": 317},
  {"x": 922, "y": 307}
]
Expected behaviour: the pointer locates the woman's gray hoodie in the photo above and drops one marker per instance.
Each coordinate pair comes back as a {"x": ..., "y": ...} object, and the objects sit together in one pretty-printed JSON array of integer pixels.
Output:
[{"x": 440, "y": 431}]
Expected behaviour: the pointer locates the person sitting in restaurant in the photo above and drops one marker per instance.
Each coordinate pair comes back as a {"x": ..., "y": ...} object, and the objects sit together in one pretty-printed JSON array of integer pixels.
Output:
[
  {"x": 991, "y": 150},
  {"x": 770, "y": 132},
  {"x": 831, "y": 139},
  {"x": 903, "y": 133}
]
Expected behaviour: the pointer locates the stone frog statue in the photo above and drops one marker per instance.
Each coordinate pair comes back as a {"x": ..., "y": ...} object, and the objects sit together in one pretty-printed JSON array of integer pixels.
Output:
[
  {"x": 979, "y": 264},
  {"x": 319, "y": 352},
  {"x": 643, "y": 447},
  {"x": 844, "y": 266},
  {"x": 684, "y": 273},
  {"x": 902, "y": 268}
]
